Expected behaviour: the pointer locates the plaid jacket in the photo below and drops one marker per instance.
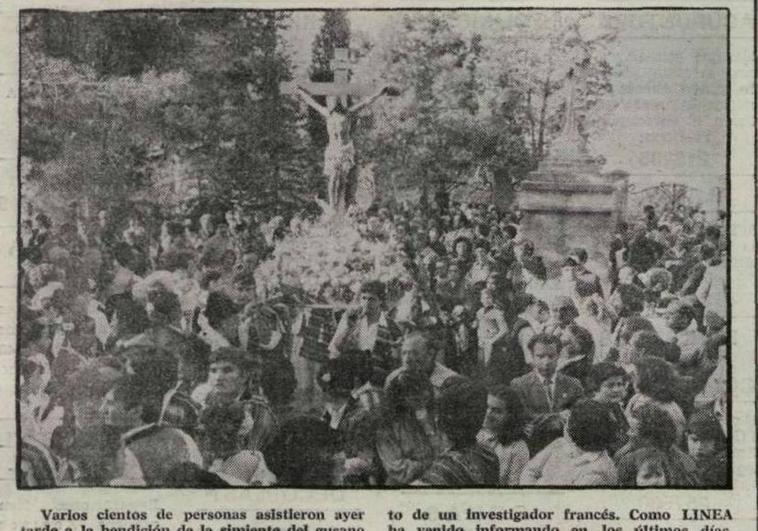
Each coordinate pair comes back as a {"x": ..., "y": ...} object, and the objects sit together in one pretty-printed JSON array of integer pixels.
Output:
[{"x": 384, "y": 355}]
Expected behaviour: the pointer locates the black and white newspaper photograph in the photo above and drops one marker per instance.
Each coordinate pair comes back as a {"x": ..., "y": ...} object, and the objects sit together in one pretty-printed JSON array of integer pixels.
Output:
[{"x": 328, "y": 267}]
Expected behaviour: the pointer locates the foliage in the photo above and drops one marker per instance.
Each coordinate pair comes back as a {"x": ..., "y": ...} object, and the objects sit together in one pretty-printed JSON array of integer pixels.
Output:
[
  {"x": 440, "y": 129},
  {"x": 529, "y": 60},
  {"x": 242, "y": 132},
  {"x": 75, "y": 127},
  {"x": 113, "y": 103},
  {"x": 108, "y": 113},
  {"x": 112, "y": 43}
]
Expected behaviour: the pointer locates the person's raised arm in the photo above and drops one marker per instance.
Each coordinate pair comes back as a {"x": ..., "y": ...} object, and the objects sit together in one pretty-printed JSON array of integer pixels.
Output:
[
  {"x": 371, "y": 99},
  {"x": 312, "y": 103}
]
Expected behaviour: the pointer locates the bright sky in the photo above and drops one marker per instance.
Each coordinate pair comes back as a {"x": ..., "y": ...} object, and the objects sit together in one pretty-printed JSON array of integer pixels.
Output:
[{"x": 670, "y": 91}]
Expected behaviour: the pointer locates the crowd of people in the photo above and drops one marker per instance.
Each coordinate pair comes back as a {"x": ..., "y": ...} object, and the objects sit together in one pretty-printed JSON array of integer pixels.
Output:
[{"x": 147, "y": 356}]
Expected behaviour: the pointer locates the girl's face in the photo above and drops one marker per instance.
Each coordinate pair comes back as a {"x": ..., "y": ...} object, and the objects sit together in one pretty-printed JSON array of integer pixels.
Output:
[
  {"x": 651, "y": 474},
  {"x": 612, "y": 390}
]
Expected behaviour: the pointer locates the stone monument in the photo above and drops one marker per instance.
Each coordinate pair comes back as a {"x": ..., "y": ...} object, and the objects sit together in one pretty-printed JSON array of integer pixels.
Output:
[{"x": 568, "y": 201}]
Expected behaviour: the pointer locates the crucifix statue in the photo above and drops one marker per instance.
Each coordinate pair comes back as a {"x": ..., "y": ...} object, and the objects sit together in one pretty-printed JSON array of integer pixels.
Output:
[{"x": 339, "y": 116}]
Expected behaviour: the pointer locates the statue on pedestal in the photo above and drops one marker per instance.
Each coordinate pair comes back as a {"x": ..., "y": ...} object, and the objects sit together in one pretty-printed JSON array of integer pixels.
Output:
[
  {"x": 339, "y": 117},
  {"x": 339, "y": 155}
]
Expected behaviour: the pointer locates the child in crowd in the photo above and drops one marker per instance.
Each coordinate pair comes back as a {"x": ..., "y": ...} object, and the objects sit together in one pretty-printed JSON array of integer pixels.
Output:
[
  {"x": 654, "y": 383},
  {"x": 580, "y": 456},
  {"x": 652, "y": 445},
  {"x": 609, "y": 385},
  {"x": 706, "y": 445}
]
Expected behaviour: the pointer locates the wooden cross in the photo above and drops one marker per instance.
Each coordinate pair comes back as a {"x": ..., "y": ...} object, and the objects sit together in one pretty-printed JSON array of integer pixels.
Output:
[
  {"x": 341, "y": 65},
  {"x": 340, "y": 87}
]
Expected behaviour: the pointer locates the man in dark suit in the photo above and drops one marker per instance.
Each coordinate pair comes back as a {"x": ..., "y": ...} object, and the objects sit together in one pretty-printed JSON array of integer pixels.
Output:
[{"x": 546, "y": 394}]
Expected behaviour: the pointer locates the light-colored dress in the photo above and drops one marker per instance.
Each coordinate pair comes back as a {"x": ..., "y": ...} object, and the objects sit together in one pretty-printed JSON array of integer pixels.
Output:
[
  {"x": 246, "y": 467},
  {"x": 563, "y": 463},
  {"x": 512, "y": 458}
]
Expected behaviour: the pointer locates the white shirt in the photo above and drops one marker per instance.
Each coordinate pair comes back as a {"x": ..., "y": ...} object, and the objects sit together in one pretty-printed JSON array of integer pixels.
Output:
[
  {"x": 335, "y": 414},
  {"x": 712, "y": 290},
  {"x": 367, "y": 333},
  {"x": 690, "y": 342},
  {"x": 551, "y": 396},
  {"x": 131, "y": 476}
]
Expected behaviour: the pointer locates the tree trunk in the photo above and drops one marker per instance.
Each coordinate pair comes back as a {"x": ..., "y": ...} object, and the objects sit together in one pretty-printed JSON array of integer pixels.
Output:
[
  {"x": 530, "y": 117},
  {"x": 543, "y": 112}
]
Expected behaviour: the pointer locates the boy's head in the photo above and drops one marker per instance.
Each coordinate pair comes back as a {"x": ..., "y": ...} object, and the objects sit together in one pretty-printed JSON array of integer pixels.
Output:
[
  {"x": 704, "y": 435},
  {"x": 651, "y": 470},
  {"x": 653, "y": 425},
  {"x": 545, "y": 350}
]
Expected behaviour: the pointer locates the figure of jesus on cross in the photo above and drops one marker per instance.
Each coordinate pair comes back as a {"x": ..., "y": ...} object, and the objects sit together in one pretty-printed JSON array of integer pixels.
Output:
[{"x": 339, "y": 116}]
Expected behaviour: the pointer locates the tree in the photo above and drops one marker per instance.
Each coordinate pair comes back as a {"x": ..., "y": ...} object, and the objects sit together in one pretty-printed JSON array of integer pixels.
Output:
[
  {"x": 531, "y": 58},
  {"x": 248, "y": 143},
  {"x": 115, "y": 43},
  {"x": 441, "y": 129},
  {"x": 87, "y": 136},
  {"x": 112, "y": 124}
]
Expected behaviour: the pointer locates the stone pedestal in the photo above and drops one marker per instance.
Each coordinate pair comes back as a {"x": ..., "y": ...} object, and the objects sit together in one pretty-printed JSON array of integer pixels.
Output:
[
  {"x": 568, "y": 203},
  {"x": 562, "y": 215}
]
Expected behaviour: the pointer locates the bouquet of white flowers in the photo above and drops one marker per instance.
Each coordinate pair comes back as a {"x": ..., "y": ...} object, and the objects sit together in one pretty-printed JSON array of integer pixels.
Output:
[{"x": 329, "y": 259}]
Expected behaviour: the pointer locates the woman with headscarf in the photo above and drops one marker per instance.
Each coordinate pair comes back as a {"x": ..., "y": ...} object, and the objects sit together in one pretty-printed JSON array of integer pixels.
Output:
[{"x": 235, "y": 376}]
